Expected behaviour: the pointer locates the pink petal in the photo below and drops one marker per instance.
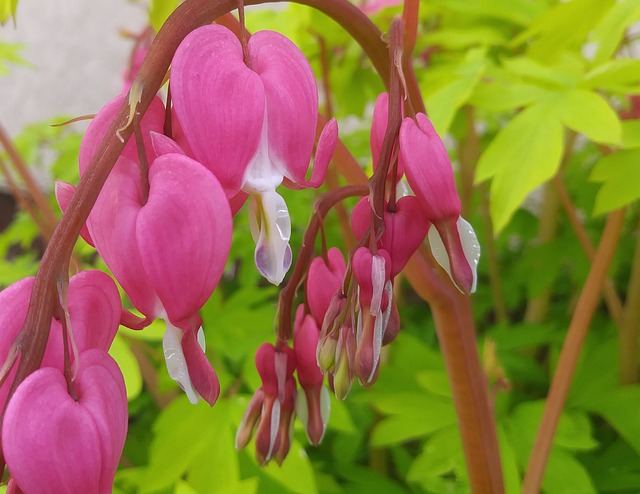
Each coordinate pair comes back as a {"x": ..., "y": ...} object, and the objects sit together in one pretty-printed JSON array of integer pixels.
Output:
[
  {"x": 164, "y": 145},
  {"x": 94, "y": 308},
  {"x": 428, "y": 168},
  {"x": 405, "y": 229},
  {"x": 305, "y": 344},
  {"x": 64, "y": 192},
  {"x": 184, "y": 233},
  {"x": 323, "y": 282},
  {"x": 14, "y": 302},
  {"x": 202, "y": 375},
  {"x": 219, "y": 103},
  {"x": 55, "y": 444},
  {"x": 112, "y": 224},
  {"x": 371, "y": 273},
  {"x": 291, "y": 101},
  {"x": 153, "y": 120}
]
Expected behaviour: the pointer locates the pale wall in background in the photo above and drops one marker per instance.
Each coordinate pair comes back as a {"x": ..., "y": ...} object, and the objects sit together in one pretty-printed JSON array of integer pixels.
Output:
[{"x": 77, "y": 54}]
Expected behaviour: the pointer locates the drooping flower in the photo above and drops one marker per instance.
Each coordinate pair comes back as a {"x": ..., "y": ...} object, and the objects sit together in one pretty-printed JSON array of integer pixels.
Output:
[
  {"x": 323, "y": 281},
  {"x": 312, "y": 405},
  {"x": 430, "y": 175},
  {"x": 176, "y": 248},
  {"x": 271, "y": 408},
  {"x": 252, "y": 123},
  {"x": 405, "y": 228},
  {"x": 94, "y": 314},
  {"x": 372, "y": 272},
  {"x": 55, "y": 443}
]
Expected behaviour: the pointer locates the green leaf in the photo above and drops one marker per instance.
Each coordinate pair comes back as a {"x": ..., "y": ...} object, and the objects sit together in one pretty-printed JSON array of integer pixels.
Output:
[
  {"x": 128, "y": 364},
  {"x": 159, "y": 10},
  {"x": 10, "y": 54},
  {"x": 456, "y": 39},
  {"x": 412, "y": 415},
  {"x": 296, "y": 472},
  {"x": 566, "y": 475},
  {"x": 443, "y": 104},
  {"x": 501, "y": 96},
  {"x": 613, "y": 73},
  {"x": 524, "y": 154},
  {"x": 630, "y": 134},
  {"x": 609, "y": 32},
  {"x": 589, "y": 113},
  {"x": 530, "y": 69},
  {"x": 520, "y": 12},
  {"x": 563, "y": 26},
  {"x": 182, "y": 432},
  {"x": 619, "y": 174},
  {"x": 8, "y": 9},
  {"x": 621, "y": 408}
]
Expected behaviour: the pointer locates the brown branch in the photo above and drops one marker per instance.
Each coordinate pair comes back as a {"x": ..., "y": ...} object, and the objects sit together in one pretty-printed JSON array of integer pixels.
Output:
[
  {"x": 571, "y": 350},
  {"x": 614, "y": 305},
  {"x": 630, "y": 327}
]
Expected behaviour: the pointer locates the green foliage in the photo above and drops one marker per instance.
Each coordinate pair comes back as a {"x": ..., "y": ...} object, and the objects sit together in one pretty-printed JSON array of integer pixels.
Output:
[
  {"x": 8, "y": 10},
  {"x": 534, "y": 88}
]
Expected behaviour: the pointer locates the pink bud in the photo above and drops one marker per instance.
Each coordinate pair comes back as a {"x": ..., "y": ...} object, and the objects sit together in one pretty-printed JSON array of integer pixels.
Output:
[
  {"x": 277, "y": 395},
  {"x": 372, "y": 272},
  {"x": 53, "y": 443},
  {"x": 379, "y": 129},
  {"x": 312, "y": 404},
  {"x": 428, "y": 168},
  {"x": 323, "y": 281},
  {"x": 346, "y": 360}
]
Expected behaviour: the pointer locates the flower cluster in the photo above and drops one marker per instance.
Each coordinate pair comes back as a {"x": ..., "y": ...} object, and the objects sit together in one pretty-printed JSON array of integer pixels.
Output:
[{"x": 242, "y": 121}]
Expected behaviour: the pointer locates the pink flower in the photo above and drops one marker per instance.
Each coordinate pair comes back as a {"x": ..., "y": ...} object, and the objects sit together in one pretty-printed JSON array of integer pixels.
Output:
[
  {"x": 373, "y": 275},
  {"x": 271, "y": 408},
  {"x": 312, "y": 405},
  {"x": 323, "y": 281},
  {"x": 430, "y": 175},
  {"x": 371, "y": 7},
  {"x": 405, "y": 229},
  {"x": 94, "y": 313},
  {"x": 57, "y": 443},
  {"x": 252, "y": 125},
  {"x": 167, "y": 252}
]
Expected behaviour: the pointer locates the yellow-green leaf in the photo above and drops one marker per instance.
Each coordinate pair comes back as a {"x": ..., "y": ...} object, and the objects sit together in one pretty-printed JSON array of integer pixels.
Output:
[
  {"x": 159, "y": 10},
  {"x": 8, "y": 9},
  {"x": 589, "y": 113},
  {"x": 609, "y": 32},
  {"x": 128, "y": 364},
  {"x": 524, "y": 155},
  {"x": 620, "y": 175}
]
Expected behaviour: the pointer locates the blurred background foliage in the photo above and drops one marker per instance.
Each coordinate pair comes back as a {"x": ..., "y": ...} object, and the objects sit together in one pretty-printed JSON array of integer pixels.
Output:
[{"x": 539, "y": 103}]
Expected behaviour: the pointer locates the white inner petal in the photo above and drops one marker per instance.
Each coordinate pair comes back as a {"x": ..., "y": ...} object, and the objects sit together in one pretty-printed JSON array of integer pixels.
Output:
[
  {"x": 470, "y": 246},
  {"x": 377, "y": 279},
  {"x": 201, "y": 340},
  {"x": 275, "y": 427},
  {"x": 271, "y": 224},
  {"x": 176, "y": 362},
  {"x": 438, "y": 250}
]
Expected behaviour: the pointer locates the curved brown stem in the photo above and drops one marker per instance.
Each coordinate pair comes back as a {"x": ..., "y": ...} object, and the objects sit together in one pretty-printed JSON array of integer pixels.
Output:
[
  {"x": 322, "y": 206},
  {"x": 571, "y": 350}
]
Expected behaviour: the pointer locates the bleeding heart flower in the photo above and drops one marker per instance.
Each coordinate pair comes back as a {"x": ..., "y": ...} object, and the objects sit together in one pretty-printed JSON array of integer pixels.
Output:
[
  {"x": 405, "y": 228},
  {"x": 323, "y": 281},
  {"x": 312, "y": 405},
  {"x": 252, "y": 123},
  {"x": 94, "y": 313},
  {"x": 56, "y": 443},
  {"x": 167, "y": 252},
  {"x": 375, "y": 293},
  {"x": 429, "y": 172},
  {"x": 271, "y": 408}
]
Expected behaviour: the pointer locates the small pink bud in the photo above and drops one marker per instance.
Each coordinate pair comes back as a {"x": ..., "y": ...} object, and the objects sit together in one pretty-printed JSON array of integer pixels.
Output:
[
  {"x": 323, "y": 281},
  {"x": 312, "y": 409},
  {"x": 345, "y": 367}
]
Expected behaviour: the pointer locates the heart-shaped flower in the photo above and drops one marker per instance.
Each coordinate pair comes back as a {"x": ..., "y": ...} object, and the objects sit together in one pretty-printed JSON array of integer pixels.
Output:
[{"x": 56, "y": 444}]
